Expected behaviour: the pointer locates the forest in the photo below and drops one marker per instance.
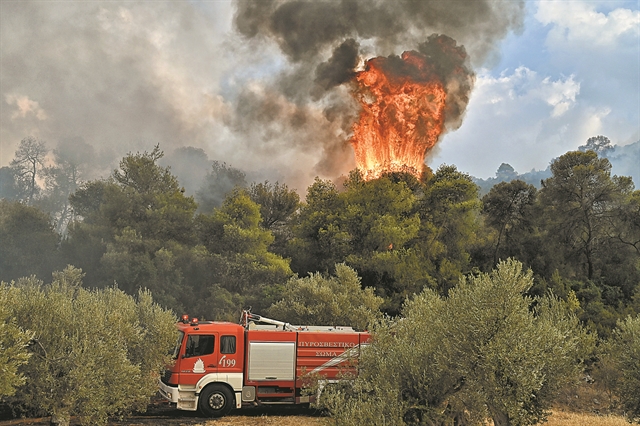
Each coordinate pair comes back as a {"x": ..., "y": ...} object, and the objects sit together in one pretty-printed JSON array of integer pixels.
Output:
[{"x": 362, "y": 253}]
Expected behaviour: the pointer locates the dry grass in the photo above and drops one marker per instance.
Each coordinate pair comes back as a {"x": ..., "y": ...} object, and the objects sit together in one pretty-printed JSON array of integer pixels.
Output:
[
  {"x": 586, "y": 404},
  {"x": 561, "y": 418},
  {"x": 558, "y": 418},
  {"x": 267, "y": 421}
]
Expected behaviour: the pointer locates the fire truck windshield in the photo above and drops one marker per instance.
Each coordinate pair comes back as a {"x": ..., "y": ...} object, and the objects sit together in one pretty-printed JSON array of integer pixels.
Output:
[{"x": 176, "y": 350}]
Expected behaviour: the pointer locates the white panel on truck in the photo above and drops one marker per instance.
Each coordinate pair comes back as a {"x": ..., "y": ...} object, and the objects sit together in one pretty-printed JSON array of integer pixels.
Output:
[{"x": 272, "y": 360}]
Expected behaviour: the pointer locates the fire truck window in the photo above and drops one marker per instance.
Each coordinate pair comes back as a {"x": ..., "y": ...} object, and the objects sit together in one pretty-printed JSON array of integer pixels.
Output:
[
  {"x": 228, "y": 345},
  {"x": 199, "y": 345},
  {"x": 176, "y": 349}
]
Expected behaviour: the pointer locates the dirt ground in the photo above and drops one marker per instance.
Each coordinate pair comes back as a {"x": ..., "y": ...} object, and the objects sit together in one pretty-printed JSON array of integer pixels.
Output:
[
  {"x": 162, "y": 414},
  {"x": 582, "y": 406},
  {"x": 296, "y": 417},
  {"x": 260, "y": 416}
]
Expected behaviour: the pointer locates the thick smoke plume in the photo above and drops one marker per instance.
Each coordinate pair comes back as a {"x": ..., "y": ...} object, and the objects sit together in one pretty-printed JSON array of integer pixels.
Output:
[
  {"x": 325, "y": 43},
  {"x": 304, "y": 29},
  {"x": 263, "y": 85}
]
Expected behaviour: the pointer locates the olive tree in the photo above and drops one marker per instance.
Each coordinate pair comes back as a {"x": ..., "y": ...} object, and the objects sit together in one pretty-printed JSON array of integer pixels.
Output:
[
  {"x": 13, "y": 347},
  {"x": 626, "y": 355},
  {"x": 485, "y": 351},
  {"x": 94, "y": 353}
]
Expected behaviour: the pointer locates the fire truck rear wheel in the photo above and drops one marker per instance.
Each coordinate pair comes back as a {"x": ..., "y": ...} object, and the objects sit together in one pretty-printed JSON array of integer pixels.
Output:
[{"x": 216, "y": 401}]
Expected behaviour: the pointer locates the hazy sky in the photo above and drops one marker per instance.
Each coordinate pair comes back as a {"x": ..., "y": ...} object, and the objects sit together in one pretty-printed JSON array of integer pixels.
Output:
[{"x": 238, "y": 79}]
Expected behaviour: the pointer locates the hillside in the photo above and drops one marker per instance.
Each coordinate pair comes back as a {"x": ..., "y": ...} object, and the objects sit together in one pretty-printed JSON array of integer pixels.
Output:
[{"x": 625, "y": 161}]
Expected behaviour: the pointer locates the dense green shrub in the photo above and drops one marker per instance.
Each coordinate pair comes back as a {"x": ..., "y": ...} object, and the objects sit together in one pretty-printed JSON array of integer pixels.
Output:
[
  {"x": 94, "y": 353},
  {"x": 13, "y": 348},
  {"x": 320, "y": 300},
  {"x": 485, "y": 351},
  {"x": 626, "y": 355}
]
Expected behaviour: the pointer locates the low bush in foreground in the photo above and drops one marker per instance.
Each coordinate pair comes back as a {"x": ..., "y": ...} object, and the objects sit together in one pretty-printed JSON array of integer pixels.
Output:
[
  {"x": 485, "y": 351},
  {"x": 94, "y": 353}
]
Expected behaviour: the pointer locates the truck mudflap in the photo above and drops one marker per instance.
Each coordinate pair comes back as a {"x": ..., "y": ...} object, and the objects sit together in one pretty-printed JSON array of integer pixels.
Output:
[{"x": 306, "y": 399}]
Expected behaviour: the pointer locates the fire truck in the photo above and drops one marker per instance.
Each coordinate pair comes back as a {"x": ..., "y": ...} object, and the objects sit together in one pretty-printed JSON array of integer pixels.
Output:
[{"x": 222, "y": 365}]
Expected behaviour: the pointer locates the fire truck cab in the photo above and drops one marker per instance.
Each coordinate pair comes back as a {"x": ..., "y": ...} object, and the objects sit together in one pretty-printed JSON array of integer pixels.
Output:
[{"x": 221, "y": 365}]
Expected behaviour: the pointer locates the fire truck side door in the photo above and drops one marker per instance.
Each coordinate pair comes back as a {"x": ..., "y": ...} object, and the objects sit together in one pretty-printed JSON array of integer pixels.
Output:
[{"x": 200, "y": 357}]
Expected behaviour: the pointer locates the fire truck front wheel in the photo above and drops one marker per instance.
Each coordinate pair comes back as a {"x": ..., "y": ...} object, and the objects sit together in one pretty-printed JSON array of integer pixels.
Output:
[{"x": 216, "y": 400}]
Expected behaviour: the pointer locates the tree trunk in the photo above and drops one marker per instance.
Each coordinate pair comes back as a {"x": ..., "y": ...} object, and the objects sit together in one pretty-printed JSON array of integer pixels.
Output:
[
  {"x": 60, "y": 418},
  {"x": 500, "y": 418},
  {"x": 460, "y": 420}
]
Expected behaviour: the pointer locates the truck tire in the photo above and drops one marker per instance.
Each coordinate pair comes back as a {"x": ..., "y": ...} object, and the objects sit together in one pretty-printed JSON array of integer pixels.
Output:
[{"x": 216, "y": 401}]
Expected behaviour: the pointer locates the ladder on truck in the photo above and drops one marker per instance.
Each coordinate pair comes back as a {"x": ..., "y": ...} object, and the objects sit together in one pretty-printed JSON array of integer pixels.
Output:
[{"x": 251, "y": 321}]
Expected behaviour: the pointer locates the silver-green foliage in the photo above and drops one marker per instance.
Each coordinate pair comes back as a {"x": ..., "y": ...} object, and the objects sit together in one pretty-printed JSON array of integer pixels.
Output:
[
  {"x": 13, "y": 347},
  {"x": 333, "y": 300},
  {"x": 626, "y": 355},
  {"x": 95, "y": 353},
  {"x": 482, "y": 352}
]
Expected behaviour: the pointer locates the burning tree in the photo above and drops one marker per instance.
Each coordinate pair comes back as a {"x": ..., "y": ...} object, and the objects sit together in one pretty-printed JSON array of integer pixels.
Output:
[{"x": 407, "y": 104}]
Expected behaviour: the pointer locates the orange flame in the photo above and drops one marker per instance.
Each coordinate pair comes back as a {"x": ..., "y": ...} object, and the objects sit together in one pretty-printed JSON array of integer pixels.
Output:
[{"x": 402, "y": 116}]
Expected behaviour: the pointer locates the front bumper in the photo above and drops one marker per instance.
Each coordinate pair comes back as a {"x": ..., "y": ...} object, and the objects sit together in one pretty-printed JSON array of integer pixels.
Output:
[
  {"x": 185, "y": 399},
  {"x": 169, "y": 392}
]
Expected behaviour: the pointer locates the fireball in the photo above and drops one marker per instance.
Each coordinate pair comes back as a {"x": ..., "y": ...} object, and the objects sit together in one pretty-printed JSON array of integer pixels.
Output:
[{"x": 402, "y": 115}]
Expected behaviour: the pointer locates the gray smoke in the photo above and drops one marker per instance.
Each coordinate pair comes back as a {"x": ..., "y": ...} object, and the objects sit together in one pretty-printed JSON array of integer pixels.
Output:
[
  {"x": 451, "y": 64},
  {"x": 122, "y": 76},
  {"x": 304, "y": 29},
  {"x": 326, "y": 41},
  {"x": 340, "y": 68},
  {"x": 261, "y": 85}
]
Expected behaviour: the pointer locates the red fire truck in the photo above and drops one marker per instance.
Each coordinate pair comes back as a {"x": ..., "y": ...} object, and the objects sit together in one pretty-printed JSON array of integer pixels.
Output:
[{"x": 222, "y": 365}]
